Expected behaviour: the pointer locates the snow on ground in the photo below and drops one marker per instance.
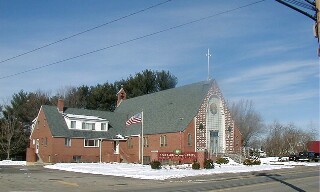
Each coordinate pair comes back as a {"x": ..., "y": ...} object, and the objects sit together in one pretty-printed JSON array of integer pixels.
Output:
[
  {"x": 9, "y": 162},
  {"x": 167, "y": 172},
  {"x": 286, "y": 162},
  {"x": 145, "y": 172}
]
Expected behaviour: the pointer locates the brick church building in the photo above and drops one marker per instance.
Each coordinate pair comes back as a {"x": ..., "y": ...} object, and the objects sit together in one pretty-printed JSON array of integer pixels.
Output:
[{"x": 180, "y": 125}]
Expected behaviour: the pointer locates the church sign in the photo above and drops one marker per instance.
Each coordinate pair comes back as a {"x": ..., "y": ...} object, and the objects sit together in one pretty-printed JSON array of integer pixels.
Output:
[{"x": 181, "y": 157}]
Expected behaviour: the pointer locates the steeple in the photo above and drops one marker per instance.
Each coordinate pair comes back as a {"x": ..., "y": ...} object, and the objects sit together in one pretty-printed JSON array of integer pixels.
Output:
[{"x": 121, "y": 95}]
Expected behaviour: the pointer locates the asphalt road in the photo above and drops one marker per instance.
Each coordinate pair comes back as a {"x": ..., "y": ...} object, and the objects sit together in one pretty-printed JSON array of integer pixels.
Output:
[{"x": 37, "y": 178}]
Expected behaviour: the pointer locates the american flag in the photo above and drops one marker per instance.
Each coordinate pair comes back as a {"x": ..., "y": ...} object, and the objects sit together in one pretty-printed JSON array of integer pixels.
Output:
[{"x": 137, "y": 118}]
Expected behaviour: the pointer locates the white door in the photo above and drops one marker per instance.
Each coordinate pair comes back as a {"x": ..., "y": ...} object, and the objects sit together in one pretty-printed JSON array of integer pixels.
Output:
[
  {"x": 116, "y": 147},
  {"x": 37, "y": 146}
]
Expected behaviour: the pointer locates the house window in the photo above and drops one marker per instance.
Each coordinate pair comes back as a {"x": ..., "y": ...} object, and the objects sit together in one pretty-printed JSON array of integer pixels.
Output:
[
  {"x": 163, "y": 140},
  {"x": 45, "y": 141},
  {"x": 67, "y": 142},
  {"x": 76, "y": 158},
  {"x": 73, "y": 125},
  {"x": 145, "y": 142},
  {"x": 88, "y": 126},
  {"x": 103, "y": 126},
  {"x": 189, "y": 139},
  {"x": 91, "y": 143},
  {"x": 130, "y": 144}
]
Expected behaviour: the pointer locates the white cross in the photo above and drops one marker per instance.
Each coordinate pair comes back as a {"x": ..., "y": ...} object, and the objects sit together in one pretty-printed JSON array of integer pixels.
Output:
[{"x": 208, "y": 55}]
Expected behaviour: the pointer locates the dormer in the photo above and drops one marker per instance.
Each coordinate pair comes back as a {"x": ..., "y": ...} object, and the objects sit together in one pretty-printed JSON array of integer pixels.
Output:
[
  {"x": 121, "y": 95},
  {"x": 85, "y": 122}
]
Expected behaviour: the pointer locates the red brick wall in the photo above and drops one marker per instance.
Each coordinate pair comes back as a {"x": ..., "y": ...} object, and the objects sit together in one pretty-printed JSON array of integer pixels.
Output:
[
  {"x": 43, "y": 134},
  {"x": 178, "y": 140},
  {"x": 237, "y": 140},
  {"x": 130, "y": 153}
]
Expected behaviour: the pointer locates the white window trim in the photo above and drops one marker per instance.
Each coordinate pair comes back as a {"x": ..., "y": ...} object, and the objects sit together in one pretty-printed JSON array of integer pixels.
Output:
[
  {"x": 97, "y": 143},
  {"x": 68, "y": 144},
  {"x": 86, "y": 124},
  {"x": 105, "y": 124},
  {"x": 75, "y": 124}
]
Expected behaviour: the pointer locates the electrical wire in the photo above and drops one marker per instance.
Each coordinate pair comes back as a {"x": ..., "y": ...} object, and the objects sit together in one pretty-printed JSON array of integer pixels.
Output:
[
  {"x": 85, "y": 31},
  {"x": 134, "y": 39}
]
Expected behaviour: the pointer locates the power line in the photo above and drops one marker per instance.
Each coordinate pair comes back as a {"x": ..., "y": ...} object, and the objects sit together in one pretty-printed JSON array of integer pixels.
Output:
[
  {"x": 85, "y": 31},
  {"x": 134, "y": 39}
]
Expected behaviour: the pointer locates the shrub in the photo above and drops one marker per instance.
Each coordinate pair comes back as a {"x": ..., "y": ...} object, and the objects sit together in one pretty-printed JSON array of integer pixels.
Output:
[
  {"x": 195, "y": 165},
  {"x": 222, "y": 160},
  {"x": 252, "y": 162},
  {"x": 208, "y": 164},
  {"x": 155, "y": 165}
]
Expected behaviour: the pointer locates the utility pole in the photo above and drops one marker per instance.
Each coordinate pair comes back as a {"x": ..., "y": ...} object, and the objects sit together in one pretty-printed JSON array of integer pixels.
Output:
[
  {"x": 304, "y": 7},
  {"x": 317, "y": 25}
]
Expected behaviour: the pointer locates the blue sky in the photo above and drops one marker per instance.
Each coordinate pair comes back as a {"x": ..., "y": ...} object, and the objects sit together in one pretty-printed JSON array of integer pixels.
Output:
[{"x": 265, "y": 53}]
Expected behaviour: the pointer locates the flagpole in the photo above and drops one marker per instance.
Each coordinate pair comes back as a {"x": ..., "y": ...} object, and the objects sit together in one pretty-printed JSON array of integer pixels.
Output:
[{"x": 142, "y": 139}]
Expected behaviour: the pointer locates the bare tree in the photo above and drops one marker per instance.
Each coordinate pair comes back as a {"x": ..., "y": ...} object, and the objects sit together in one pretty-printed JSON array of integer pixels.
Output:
[
  {"x": 283, "y": 140},
  {"x": 16, "y": 118},
  {"x": 11, "y": 135},
  {"x": 247, "y": 119}
]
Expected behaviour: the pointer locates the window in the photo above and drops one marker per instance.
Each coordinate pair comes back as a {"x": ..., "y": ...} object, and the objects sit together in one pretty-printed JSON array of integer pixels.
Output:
[
  {"x": 103, "y": 126},
  {"x": 91, "y": 143},
  {"x": 129, "y": 142},
  {"x": 45, "y": 141},
  {"x": 67, "y": 142},
  {"x": 73, "y": 125},
  {"x": 88, "y": 126},
  {"x": 76, "y": 158},
  {"x": 146, "y": 160},
  {"x": 145, "y": 142},
  {"x": 163, "y": 140},
  {"x": 189, "y": 139}
]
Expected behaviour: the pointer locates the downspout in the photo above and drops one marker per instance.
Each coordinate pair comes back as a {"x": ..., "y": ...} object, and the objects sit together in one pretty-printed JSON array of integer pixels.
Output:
[
  {"x": 181, "y": 141},
  {"x": 100, "y": 152}
]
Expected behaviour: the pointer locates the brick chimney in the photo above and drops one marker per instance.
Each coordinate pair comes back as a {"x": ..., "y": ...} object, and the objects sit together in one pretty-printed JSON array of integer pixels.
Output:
[
  {"x": 60, "y": 105},
  {"x": 121, "y": 95}
]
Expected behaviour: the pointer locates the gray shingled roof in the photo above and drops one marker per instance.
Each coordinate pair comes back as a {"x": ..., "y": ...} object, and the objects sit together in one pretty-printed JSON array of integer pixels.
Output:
[
  {"x": 59, "y": 127},
  {"x": 164, "y": 112}
]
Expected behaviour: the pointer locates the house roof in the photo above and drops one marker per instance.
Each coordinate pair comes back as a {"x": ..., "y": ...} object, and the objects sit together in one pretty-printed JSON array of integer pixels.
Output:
[
  {"x": 166, "y": 111},
  {"x": 59, "y": 127}
]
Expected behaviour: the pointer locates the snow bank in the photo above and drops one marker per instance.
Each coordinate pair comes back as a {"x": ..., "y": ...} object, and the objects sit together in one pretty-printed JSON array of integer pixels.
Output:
[
  {"x": 9, "y": 162},
  {"x": 167, "y": 172},
  {"x": 145, "y": 172}
]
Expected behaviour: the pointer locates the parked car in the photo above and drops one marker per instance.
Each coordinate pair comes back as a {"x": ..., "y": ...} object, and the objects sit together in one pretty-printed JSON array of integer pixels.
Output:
[
  {"x": 292, "y": 157},
  {"x": 306, "y": 156},
  {"x": 316, "y": 157}
]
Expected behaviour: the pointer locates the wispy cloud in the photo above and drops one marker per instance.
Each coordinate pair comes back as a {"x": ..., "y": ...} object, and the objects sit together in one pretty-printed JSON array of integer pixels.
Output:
[{"x": 285, "y": 70}]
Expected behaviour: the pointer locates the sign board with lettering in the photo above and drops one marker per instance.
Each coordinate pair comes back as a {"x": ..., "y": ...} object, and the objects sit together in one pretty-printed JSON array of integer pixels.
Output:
[{"x": 185, "y": 157}]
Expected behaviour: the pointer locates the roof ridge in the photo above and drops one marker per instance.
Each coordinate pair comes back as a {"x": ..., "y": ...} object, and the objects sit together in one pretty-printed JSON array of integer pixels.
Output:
[{"x": 174, "y": 88}]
